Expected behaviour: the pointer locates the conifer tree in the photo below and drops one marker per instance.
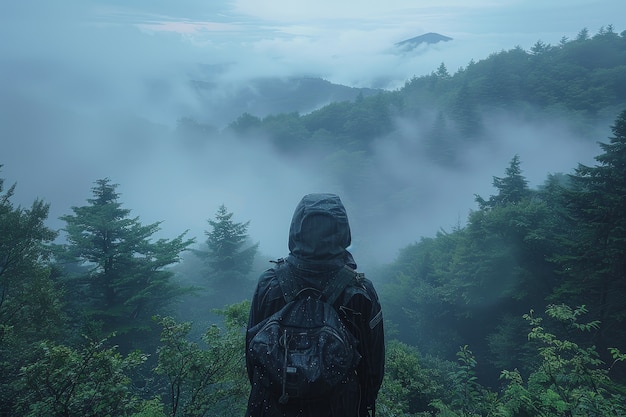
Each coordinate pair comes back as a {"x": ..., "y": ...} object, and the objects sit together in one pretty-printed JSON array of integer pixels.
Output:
[
  {"x": 512, "y": 188},
  {"x": 24, "y": 275},
  {"x": 30, "y": 302},
  {"x": 595, "y": 263},
  {"x": 442, "y": 71},
  {"x": 230, "y": 254},
  {"x": 122, "y": 279}
]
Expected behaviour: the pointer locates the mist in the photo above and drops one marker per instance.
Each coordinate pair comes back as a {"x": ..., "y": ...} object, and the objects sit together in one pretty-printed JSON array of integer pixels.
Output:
[
  {"x": 162, "y": 178},
  {"x": 96, "y": 90}
]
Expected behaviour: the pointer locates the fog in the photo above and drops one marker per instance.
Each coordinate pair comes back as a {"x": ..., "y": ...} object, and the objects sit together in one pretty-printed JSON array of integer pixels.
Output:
[{"x": 95, "y": 89}]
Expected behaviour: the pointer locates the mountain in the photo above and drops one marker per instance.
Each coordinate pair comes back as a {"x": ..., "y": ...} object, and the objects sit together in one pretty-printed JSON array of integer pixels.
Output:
[
  {"x": 272, "y": 95},
  {"x": 428, "y": 38}
]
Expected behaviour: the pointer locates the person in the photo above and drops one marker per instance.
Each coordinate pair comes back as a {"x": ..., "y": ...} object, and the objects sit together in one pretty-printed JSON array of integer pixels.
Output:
[{"x": 319, "y": 236}]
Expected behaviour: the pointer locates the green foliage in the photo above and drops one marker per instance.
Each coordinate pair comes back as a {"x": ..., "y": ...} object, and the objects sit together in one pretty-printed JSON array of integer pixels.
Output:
[
  {"x": 562, "y": 242},
  {"x": 229, "y": 256},
  {"x": 226, "y": 242},
  {"x": 594, "y": 259},
  {"x": 408, "y": 388},
  {"x": 582, "y": 77},
  {"x": 468, "y": 395},
  {"x": 417, "y": 298},
  {"x": 150, "y": 408},
  {"x": 467, "y": 398},
  {"x": 24, "y": 274},
  {"x": 509, "y": 346},
  {"x": 30, "y": 302},
  {"x": 286, "y": 130},
  {"x": 442, "y": 71},
  {"x": 213, "y": 378},
  {"x": 512, "y": 189},
  {"x": 245, "y": 124},
  {"x": 460, "y": 286},
  {"x": 570, "y": 381},
  {"x": 91, "y": 381},
  {"x": 330, "y": 118},
  {"x": 124, "y": 279}
]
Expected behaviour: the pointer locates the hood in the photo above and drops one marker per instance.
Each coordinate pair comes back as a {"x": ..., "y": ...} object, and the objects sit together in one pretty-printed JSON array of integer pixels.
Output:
[{"x": 320, "y": 233}]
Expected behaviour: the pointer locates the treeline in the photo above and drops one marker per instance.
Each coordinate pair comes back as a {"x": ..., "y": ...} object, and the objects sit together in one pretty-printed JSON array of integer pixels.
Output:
[{"x": 582, "y": 79}]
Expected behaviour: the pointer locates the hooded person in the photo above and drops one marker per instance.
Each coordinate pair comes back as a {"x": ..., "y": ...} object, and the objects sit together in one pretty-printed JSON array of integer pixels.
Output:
[{"x": 319, "y": 236}]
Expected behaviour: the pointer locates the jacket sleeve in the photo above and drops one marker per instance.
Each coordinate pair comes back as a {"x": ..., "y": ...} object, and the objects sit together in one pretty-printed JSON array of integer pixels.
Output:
[
  {"x": 376, "y": 344},
  {"x": 364, "y": 307}
]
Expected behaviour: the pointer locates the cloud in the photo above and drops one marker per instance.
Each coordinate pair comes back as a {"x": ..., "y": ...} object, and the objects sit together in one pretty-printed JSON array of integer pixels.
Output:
[
  {"x": 356, "y": 11},
  {"x": 415, "y": 197},
  {"x": 187, "y": 27}
]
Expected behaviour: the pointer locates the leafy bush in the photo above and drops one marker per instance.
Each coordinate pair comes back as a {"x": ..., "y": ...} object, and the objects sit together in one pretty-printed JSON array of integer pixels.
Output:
[
  {"x": 201, "y": 379},
  {"x": 92, "y": 381},
  {"x": 570, "y": 381}
]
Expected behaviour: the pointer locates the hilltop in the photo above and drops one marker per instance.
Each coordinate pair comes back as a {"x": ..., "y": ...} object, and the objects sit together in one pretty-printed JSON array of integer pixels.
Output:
[{"x": 428, "y": 38}]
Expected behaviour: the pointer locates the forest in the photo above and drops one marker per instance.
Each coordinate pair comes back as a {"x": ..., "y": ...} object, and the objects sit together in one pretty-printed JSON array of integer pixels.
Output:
[{"x": 519, "y": 311}]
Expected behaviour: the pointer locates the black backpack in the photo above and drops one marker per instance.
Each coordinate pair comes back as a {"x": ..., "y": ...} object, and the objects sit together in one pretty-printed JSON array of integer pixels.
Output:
[{"x": 304, "y": 351}]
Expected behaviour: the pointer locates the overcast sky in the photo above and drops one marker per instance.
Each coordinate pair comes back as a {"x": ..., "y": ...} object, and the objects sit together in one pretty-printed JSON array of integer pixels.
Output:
[
  {"x": 347, "y": 41},
  {"x": 71, "y": 71}
]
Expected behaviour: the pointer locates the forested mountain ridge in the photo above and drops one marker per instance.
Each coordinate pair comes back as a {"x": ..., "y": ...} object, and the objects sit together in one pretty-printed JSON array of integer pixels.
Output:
[
  {"x": 583, "y": 79},
  {"x": 265, "y": 96}
]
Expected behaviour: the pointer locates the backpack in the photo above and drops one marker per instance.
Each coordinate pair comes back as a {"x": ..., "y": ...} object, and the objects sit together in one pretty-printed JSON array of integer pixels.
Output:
[{"x": 304, "y": 351}]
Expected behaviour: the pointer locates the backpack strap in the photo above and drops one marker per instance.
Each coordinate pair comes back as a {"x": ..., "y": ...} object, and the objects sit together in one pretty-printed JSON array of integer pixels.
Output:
[{"x": 344, "y": 277}]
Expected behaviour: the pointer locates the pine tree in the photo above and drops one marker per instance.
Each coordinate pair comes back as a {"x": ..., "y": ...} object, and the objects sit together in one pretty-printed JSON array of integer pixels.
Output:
[
  {"x": 595, "y": 263},
  {"x": 442, "y": 71},
  {"x": 229, "y": 253},
  {"x": 30, "y": 302},
  {"x": 512, "y": 189},
  {"x": 122, "y": 278}
]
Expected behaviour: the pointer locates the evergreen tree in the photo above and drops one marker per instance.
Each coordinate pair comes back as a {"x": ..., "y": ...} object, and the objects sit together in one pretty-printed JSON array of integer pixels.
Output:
[
  {"x": 583, "y": 35},
  {"x": 539, "y": 48},
  {"x": 229, "y": 253},
  {"x": 512, "y": 189},
  {"x": 24, "y": 276},
  {"x": 595, "y": 264},
  {"x": 30, "y": 302},
  {"x": 442, "y": 71},
  {"x": 123, "y": 278}
]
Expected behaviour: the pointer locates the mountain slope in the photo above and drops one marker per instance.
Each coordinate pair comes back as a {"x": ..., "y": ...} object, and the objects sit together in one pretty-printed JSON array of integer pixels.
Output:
[{"x": 272, "y": 95}]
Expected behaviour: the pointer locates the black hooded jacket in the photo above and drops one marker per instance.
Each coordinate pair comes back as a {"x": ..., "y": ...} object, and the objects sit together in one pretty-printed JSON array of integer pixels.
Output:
[{"x": 318, "y": 240}]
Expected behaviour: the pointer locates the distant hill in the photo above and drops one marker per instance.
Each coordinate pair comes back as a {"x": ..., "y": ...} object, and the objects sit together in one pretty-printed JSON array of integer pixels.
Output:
[
  {"x": 428, "y": 38},
  {"x": 263, "y": 96}
]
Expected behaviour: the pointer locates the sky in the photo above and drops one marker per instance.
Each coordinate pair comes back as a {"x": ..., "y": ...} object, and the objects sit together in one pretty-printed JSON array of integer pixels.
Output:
[{"x": 77, "y": 76}]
